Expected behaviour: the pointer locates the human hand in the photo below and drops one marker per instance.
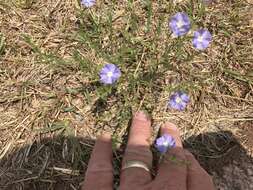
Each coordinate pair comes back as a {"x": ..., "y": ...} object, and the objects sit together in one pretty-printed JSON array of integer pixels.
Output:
[{"x": 170, "y": 175}]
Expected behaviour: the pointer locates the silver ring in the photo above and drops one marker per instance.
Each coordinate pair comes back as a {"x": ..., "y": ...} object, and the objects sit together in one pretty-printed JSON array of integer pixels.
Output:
[{"x": 135, "y": 164}]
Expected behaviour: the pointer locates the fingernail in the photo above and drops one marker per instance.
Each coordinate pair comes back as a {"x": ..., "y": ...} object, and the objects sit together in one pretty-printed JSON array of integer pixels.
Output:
[
  {"x": 105, "y": 135},
  {"x": 141, "y": 116},
  {"x": 170, "y": 125}
]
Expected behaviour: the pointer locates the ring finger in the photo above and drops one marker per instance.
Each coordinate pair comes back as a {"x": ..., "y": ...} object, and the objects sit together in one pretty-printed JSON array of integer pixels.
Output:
[{"x": 172, "y": 171}]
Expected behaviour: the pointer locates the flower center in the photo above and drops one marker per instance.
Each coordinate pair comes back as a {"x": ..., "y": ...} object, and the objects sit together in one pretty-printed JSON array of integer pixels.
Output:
[
  {"x": 178, "y": 100},
  {"x": 165, "y": 143},
  {"x": 180, "y": 23},
  {"x": 200, "y": 38},
  {"x": 109, "y": 74}
]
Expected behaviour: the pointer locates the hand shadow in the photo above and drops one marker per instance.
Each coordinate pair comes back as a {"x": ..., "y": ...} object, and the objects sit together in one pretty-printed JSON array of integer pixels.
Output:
[
  {"x": 51, "y": 163},
  {"x": 224, "y": 158},
  {"x": 60, "y": 162}
]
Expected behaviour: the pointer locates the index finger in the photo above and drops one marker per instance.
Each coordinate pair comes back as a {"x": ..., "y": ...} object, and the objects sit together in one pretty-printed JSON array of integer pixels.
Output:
[{"x": 99, "y": 174}]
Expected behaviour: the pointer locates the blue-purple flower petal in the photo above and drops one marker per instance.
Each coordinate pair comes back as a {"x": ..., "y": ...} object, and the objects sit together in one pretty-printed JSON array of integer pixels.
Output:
[
  {"x": 201, "y": 39},
  {"x": 165, "y": 142},
  {"x": 88, "y": 3},
  {"x": 185, "y": 97},
  {"x": 179, "y": 100},
  {"x": 109, "y": 74},
  {"x": 180, "y": 24}
]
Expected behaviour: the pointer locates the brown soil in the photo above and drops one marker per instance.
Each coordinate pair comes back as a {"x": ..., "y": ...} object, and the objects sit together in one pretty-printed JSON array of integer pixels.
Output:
[
  {"x": 229, "y": 158},
  {"x": 246, "y": 134}
]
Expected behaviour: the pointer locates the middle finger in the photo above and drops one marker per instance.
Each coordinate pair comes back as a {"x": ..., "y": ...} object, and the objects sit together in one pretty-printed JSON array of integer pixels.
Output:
[{"x": 138, "y": 149}]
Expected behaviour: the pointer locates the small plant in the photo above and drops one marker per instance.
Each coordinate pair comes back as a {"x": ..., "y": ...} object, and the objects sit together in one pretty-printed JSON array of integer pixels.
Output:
[{"x": 132, "y": 58}]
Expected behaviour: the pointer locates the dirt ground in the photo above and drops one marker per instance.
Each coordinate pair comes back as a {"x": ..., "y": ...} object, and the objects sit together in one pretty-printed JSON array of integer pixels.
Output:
[
  {"x": 237, "y": 173},
  {"x": 228, "y": 159}
]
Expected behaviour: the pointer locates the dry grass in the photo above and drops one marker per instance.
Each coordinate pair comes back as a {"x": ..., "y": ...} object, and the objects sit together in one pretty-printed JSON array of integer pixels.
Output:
[{"x": 51, "y": 50}]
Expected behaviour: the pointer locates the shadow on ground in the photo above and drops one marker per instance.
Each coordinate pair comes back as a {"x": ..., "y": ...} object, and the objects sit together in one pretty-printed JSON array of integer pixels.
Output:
[{"x": 60, "y": 163}]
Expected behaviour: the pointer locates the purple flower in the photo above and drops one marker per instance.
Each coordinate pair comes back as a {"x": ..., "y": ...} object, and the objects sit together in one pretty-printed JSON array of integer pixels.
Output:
[
  {"x": 180, "y": 24},
  {"x": 165, "y": 142},
  {"x": 109, "y": 74},
  {"x": 179, "y": 100},
  {"x": 201, "y": 39},
  {"x": 88, "y": 3}
]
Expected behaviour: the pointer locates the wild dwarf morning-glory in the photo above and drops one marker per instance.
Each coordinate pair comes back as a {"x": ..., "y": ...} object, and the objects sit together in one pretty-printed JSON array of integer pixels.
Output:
[
  {"x": 109, "y": 74},
  {"x": 165, "y": 142},
  {"x": 201, "y": 39},
  {"x": 180, "y": 24},
  {"x": 179, "y": 100},
  {"x": 88, "y": 3}
]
